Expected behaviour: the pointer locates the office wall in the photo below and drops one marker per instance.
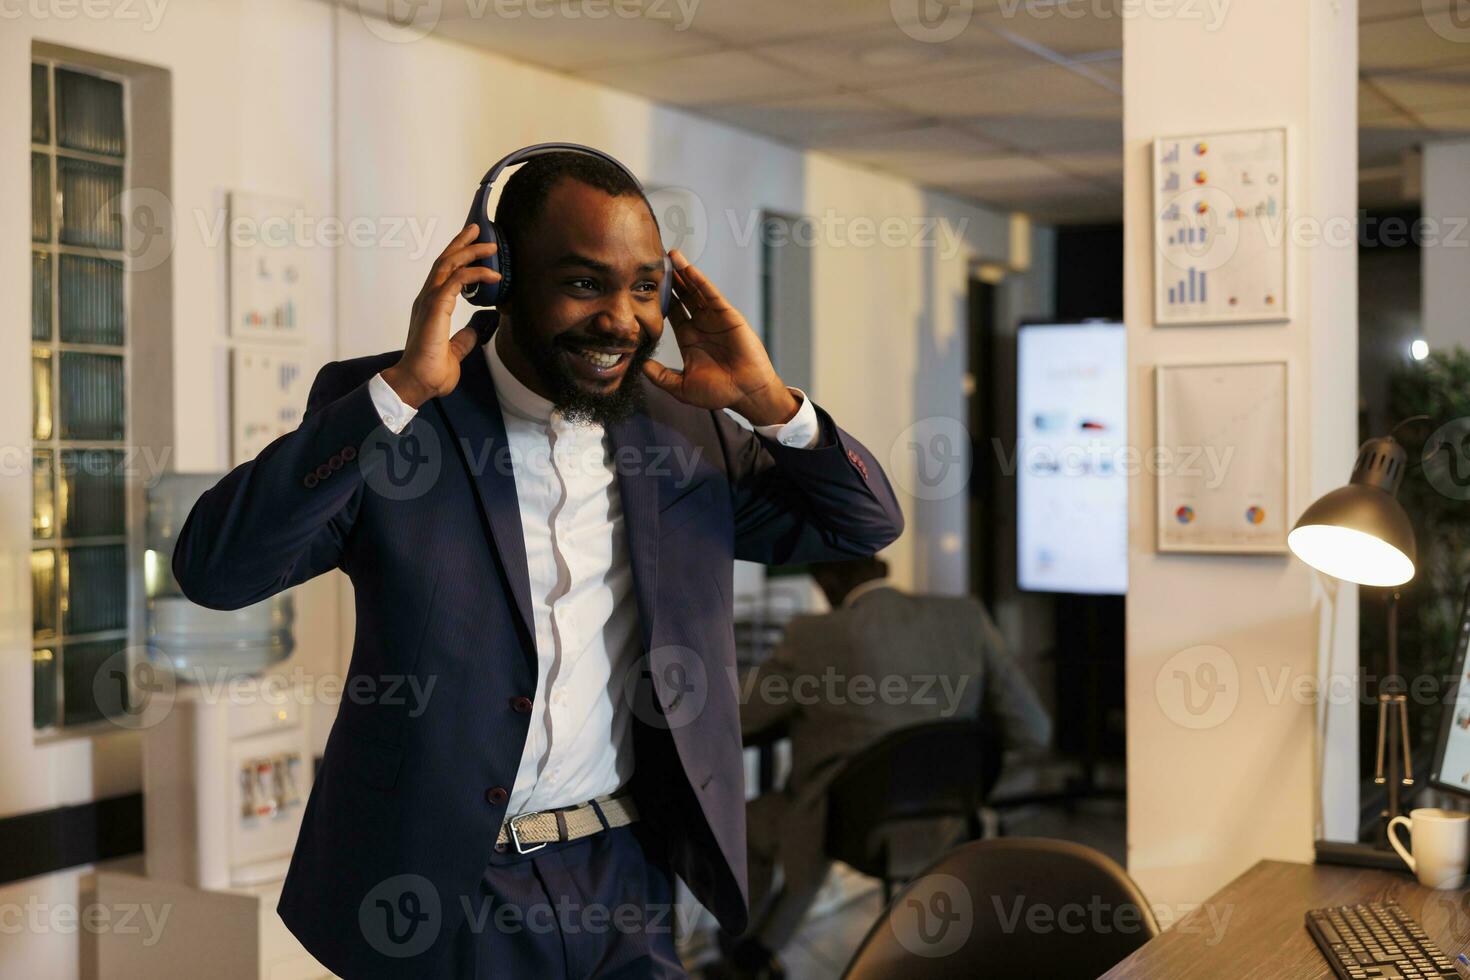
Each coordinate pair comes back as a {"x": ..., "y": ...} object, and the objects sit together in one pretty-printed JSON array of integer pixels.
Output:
[
  {"x": 1222, "y": 762},
  {"x": 296, "y": 99}
]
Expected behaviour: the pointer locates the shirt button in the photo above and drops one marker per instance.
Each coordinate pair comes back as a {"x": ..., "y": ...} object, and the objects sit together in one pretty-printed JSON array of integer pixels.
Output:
[
  {"x": 522, "y": 704},
  {"x": 496, "y": 796}
]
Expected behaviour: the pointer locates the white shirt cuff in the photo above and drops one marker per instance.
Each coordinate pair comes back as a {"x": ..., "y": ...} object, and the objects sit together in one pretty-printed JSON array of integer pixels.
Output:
[
  {"x": 394, "y": 412},
  {"x": 802, "y": 431}
]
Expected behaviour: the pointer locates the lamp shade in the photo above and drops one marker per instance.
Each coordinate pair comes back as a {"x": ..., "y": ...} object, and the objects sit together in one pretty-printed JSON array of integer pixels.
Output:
[{"x": 1360, "y": 533}]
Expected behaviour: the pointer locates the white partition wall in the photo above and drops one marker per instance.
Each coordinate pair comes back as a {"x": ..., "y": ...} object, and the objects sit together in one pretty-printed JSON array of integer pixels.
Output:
[{"x": 1222, "y": 741}]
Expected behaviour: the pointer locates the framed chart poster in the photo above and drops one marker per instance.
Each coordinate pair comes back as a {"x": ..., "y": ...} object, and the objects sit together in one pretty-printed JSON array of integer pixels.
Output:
[
  {"x": 268, "y": 391},
  {"x": 266, "y": 268},
  {"x": 1223, "y": 460},
  {"x": 1220, "y": 244}
]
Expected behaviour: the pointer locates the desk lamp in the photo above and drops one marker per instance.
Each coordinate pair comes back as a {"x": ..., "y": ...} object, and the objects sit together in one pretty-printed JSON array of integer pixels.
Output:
[{"x": 1360, "y": 533}]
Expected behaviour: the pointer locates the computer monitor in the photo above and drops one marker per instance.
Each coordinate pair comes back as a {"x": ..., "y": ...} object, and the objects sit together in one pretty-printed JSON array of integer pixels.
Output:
[
  {"x": 1071, "y": 438},
  {"x": 1451, "y": 770}
]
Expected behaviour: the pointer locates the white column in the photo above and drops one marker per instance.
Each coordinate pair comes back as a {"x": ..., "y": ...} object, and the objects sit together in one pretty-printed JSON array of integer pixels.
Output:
[
  {"x": 1204, "y": 804},
  {"x": 1445, "y": 256}
]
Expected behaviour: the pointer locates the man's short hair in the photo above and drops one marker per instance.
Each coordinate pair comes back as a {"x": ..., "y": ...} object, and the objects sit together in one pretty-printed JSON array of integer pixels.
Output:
[{"x": 524, "y": 196}]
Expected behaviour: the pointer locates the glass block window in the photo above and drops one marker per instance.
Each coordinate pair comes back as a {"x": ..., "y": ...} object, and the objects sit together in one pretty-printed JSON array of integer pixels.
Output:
[{"x": 80, "y": 521}]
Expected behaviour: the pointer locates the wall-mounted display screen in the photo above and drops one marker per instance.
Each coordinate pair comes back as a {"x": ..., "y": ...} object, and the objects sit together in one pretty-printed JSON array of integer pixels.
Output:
[{"x": 1071, "y": 440}]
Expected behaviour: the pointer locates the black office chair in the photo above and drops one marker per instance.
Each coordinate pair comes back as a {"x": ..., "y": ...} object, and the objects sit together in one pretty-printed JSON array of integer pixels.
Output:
[
  {"x": 973, "y": 913},
  {"x": 926, "y": 772}
]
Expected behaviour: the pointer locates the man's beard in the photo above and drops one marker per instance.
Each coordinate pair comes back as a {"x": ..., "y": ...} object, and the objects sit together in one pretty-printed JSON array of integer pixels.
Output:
[{"x": 576, "y": 404}]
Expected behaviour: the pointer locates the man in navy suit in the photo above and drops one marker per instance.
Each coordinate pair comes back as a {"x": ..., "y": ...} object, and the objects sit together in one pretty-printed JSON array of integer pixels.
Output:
[{"x": 539, "y": 725}]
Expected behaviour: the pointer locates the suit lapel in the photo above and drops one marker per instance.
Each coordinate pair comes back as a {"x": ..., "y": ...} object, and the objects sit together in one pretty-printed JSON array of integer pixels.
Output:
[
  {"x": 473, "y": 414},
  {"x": 638, "y": 489}
]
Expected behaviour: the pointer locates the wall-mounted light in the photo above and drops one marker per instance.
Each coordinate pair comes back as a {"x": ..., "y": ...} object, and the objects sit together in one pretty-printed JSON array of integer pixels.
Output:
[{"x": 1419, "y": 349}]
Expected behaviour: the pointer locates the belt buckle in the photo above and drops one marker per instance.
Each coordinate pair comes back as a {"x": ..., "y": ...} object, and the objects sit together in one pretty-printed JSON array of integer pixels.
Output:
[{"x": 515, "y": 834}]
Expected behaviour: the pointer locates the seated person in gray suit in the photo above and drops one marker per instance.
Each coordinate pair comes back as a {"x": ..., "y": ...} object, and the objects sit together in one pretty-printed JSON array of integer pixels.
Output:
[{"x": 881, "y": 660}]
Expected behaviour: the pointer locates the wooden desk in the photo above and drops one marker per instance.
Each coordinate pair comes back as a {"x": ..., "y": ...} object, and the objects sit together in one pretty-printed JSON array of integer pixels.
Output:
[{"x": 1266, "y": 934}]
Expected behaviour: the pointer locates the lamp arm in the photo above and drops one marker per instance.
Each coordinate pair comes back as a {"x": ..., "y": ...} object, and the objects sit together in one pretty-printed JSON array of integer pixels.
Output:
[
  {"x": 1412, "y": 418},
  {"x": 1417, "y": 464}
]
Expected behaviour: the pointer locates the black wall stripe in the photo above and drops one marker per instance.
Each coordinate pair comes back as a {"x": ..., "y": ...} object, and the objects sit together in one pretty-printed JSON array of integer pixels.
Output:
[
  {"x": 52, "y": 840},
  {"x": 41, "y": 843}
]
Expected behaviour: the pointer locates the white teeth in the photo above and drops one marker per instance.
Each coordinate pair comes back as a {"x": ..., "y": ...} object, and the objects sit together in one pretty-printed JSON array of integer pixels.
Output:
[{"x": 599, "y": 359}]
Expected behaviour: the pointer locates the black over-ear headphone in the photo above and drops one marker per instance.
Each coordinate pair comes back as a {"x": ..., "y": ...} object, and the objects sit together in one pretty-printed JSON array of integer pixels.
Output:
[{"x": 489, "y": 293}]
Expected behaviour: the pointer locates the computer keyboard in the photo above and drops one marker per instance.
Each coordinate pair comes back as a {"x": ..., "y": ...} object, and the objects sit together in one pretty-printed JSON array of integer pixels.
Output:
[{"x": 1377, "y": 940}]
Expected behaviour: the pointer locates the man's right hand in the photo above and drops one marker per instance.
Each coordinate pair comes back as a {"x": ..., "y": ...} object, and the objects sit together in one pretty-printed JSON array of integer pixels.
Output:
[{"x": 429, "y": 366}]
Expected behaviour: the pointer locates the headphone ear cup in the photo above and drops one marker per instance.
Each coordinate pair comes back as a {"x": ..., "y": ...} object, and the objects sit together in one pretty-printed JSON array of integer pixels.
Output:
[
  {"x": 488, "y": 293},
  {"x": 500, "y": 262},
  {"x": 666, "y": 285}
]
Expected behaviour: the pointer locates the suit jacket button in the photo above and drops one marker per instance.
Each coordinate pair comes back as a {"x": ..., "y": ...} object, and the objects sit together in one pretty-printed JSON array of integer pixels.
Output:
[
  {"x": 323, "y": 471},
  {"x": 522, "y": 704},
  {"x": 349, "y": 453},
  {"x": 336, "y": 461},
  {"x": 310, "y": 481},
  {"x": 496, "y": 796}
]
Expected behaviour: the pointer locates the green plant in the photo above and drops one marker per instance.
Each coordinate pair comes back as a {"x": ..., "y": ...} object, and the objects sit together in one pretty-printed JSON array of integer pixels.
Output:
[{"x": 1429, "y": 610}]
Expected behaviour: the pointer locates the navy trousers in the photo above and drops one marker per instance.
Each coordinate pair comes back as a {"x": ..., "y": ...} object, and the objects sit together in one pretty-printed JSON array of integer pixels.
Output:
[{"x": 601, "y": 906}]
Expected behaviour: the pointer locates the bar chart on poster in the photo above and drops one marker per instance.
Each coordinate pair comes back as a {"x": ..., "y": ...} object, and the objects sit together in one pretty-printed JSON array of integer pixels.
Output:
[
  {"x": 268, "y": 391},
  {"x": 266, "y": 268},
  {"x": 1219, "y": 228}
]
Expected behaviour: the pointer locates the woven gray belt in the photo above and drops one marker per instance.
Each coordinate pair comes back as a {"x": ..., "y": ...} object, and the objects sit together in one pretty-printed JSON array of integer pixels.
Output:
[{"x": 532, "y": 831}]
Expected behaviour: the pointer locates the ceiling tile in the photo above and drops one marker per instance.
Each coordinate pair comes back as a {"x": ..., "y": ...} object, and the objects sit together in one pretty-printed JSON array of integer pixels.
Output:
[
  {"x": 1109, "y": 68},
  {"x": 1100, "y": 128},
  {"x": 926, "y": 136},
  {"x": 885, "y": 55},
  {"x": 1434, "y": 88},
  {"x": 811, "y": 120},
  {"x": 1103, "y": 166},
  {"x": 1070, "y": 29},
  {"x": 573, "y": 40},
  {"x": 1411, "y": 42},
  {"x": 704, "y": 79},
  {"x": 995, "y": 174},
  {"x": 1447, "y": 122},
  {"x": 1372, "y": 104},
  {"x": 751, "y": 22},
  {"x": 1044, "y": 91},
  {"x": 1387, "y": 9},
  {"x": 925, "y": 154}
]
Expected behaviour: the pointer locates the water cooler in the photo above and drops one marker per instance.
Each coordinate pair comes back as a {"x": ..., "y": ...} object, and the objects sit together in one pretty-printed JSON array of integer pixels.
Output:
[{"x": 227, "y": 770}]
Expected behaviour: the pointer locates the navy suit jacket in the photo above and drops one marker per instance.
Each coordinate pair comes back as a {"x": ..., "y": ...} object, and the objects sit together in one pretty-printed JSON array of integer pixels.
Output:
[{"x": 412, "y": 789}]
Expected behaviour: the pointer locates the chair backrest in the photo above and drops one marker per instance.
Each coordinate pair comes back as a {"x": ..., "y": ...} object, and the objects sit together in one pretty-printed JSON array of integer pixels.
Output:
[
  {"x": 940, "y": 769},
  {"x": 1009, "y": 907}
]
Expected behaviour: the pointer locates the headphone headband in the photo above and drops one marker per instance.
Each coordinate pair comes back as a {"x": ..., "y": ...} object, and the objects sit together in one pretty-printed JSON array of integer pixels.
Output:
[{"x": 542, "y": 149}]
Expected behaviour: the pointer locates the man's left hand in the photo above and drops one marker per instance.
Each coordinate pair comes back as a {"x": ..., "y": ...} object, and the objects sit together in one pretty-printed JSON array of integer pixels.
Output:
[{"x": 725, "y": 364}]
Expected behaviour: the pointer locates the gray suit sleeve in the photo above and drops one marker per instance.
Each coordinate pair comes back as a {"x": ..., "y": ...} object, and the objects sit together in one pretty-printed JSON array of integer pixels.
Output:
[{"x": 765, "y": 692}]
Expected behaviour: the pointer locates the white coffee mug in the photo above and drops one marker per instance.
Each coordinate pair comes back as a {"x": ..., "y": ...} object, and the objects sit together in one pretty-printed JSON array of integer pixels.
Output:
[{"x": 1441, "y": 845}]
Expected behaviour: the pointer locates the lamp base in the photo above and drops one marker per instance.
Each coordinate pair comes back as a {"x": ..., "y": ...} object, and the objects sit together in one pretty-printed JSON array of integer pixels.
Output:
[{"x": 1354, "y": 855}]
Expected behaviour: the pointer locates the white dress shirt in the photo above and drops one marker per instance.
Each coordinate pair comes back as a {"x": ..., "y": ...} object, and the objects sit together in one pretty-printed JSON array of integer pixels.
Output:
[{"x": 580, "y": 741}]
